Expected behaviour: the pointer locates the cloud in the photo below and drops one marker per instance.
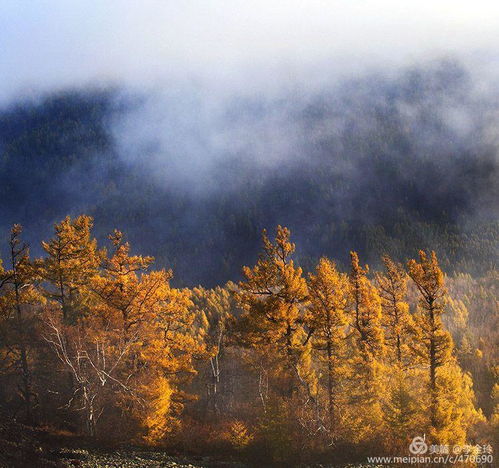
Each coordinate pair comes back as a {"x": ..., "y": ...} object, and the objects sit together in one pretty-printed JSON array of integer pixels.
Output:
[{"x": 55, "y": 43}]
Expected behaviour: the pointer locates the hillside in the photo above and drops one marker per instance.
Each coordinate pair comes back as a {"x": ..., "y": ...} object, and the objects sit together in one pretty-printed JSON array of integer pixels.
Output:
[{"x": 377, "y": 164}]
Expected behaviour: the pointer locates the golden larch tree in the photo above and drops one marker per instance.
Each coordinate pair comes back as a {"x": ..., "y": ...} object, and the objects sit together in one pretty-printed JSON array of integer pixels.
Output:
[
  {"x": 156, "y": 324},
  {"x": 392, "y": 287},
  {"x": 366, "y": 371},
  {"x": 366, "y": 307},
  {"x": 72, "y": 260},
  {"x": 273, "y": 297},
  {"x": 451, "y": 399},
  {"x": 18, "y": 304},
  {"x": 328, "y": 295}
]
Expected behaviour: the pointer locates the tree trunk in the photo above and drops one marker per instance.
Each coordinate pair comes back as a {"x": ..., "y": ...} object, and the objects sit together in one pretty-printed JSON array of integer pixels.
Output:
[
  {"x": 433, "y": 369},
  {"x": 330, "y": 387},
  {"x": 289, "y": 355},
  {"x": 89, "y": 413},
  {"x": 26, "y": 373}
]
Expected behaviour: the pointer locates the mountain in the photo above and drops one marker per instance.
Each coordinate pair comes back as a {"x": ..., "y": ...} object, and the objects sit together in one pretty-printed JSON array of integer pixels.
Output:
[{"x": 381, "y": 163}]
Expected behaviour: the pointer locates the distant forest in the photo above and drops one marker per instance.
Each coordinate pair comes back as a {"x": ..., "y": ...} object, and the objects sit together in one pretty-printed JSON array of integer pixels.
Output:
[{"x": 381, "y": 165}]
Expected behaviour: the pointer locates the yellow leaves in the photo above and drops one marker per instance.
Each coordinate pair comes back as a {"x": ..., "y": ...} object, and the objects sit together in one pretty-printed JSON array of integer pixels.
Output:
[
  {"x": 125, "y": 289},
  {"x": 313, "y": 348},
  {"x": 158, "y": 420},
  {"x": 72, "y": 250},
  {"x": 458, "y": 312},
  {"x": 130, "y": 331},
  {"x": 282, "y": 248},
  {"x": 402, "y": 410},
  {"x": 432, "y": 335},
  {"x": 238, "y": 435},
  {"x": 274, "y": 297},
  {"x": 327, "y": 320},
  {"x": 275, "y": 273},
  {"x": 274, "y": 292},
  {"x": 72, "y": 261},
  {"x": 427, "y": 276},
  {"x": 121, "y": 264},
  {"x": 455, "y": 410},
  {"x": 451, "y": 399},
  {"x": 392, "y": 286},
  {"x": 328, "y": 288},
  {"x": 365, "y": 303},
  {"x": 357, "y": 270}
]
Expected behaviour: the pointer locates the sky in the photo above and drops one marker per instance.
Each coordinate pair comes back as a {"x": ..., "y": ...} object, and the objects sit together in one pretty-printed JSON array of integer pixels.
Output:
[{"x": 52, "y": 44}]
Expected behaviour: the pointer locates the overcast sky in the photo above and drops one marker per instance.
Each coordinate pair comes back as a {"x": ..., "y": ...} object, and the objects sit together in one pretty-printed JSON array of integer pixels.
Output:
[{"x": 55, "y": 43}]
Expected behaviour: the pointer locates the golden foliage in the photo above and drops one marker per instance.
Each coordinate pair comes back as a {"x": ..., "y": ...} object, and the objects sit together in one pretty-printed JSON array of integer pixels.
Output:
[{"x": 281, "y": 361}]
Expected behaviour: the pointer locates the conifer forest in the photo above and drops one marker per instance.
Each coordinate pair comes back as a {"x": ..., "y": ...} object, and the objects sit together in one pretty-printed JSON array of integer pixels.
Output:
[{"x": 233, "y": 235}]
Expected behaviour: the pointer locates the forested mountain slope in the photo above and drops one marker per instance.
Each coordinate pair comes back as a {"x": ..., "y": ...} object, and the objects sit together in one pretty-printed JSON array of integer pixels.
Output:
[{"x": 377, "y": 164}]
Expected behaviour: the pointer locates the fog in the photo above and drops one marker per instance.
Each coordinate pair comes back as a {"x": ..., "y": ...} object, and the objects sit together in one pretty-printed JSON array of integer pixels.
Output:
[{"x": 244, "y": 46}]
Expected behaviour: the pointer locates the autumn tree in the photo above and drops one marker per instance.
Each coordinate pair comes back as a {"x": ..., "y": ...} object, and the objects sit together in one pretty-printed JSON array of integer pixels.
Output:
[
  {"x": 436, "y": 341},
  {"x": 401, "y": 409},
  {"x": 366, "y": 305},
  {"x": 366, "y": 371},
  {"x": 289, "y": 364},
  {"x": 158, "y": 324},
  {"x": 214, "y": 309},
  {"x": 121, "y": 288},
  {"x": 328, "y": 294},
  {"x": 72, "y": 260},
  {"x": 272, "y": 296},
  {"x": 172, "y": 343},
  {"x": 392, "y": 287},
  {"x": 451, "y": 399},
  {"x": 17, "y": 303},
  {"x": 93, "y": 353}
]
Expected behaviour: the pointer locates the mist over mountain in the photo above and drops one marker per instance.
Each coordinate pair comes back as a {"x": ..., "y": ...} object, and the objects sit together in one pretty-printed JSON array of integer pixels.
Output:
[{"x": 378, "y": 163}]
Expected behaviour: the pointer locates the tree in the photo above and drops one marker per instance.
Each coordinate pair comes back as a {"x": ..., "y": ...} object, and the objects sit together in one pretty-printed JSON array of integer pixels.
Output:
[
  {"x": 436, "y": 341},
  {"x": 273, "y": 297},
  {"x": 392, "y": 286},
  {"x": 213, "y": 308},
  {"x": 158, "y": 323},
  {"x": 120, "y": 288},
  {"x": 172, "y": 343},
  {"x": 93, "y": 352},
  {"x": 451, "y": 407},
  {"x": 328, "y": 295},
  {"x": 366, "y": 305},
  {"x": 130, "y": 347},
  {"x": 401, "y": 411},
  {"x": 19, "y": 294},
  {"x": 72, "y": 260},
  {"x": 366, "y": 369}
]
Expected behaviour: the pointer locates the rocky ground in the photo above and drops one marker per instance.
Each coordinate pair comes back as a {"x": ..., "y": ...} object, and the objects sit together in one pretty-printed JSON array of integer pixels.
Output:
[
  {"x": 26, "y": 447},
  {"x": 134, "y": 459}
]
